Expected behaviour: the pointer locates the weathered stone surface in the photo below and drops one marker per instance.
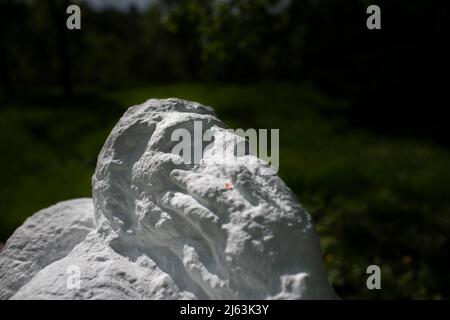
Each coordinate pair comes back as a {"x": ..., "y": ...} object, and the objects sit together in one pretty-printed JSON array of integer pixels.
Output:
[
  {"x": 166, "y": 229},
  {"x": 44, "y": 238}
]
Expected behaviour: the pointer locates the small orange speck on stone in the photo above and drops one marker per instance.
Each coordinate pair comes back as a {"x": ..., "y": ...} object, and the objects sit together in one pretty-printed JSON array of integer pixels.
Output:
[{"x": 228, "y": 186}]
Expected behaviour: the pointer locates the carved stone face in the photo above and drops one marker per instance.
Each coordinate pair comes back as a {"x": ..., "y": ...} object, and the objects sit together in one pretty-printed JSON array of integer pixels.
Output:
[{"x": 235, "y": 232}]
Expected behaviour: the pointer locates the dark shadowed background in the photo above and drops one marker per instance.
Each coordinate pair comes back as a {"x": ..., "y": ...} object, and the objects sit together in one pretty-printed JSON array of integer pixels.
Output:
[{"x": 363, "y": 129}]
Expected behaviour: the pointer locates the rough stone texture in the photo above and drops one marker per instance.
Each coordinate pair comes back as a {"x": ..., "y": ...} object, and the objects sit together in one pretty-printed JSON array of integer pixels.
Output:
[
  {"x": 165, "y": 229},
  {"x": 44, "y": 238}
]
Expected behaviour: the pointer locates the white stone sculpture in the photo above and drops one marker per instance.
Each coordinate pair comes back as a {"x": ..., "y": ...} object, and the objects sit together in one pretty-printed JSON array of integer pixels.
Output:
[{"x": 166, "y": 229}]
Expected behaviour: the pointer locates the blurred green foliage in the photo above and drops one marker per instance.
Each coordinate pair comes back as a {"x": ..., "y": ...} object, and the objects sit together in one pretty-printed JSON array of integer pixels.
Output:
[
  {"x": 367, "y": 156},
  {"x": 374, "y": 199},
  {"x": 393, "y": 74}
]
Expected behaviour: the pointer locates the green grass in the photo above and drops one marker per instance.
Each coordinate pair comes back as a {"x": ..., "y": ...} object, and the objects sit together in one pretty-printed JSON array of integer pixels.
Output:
[{"x": 374, "y": 199}]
